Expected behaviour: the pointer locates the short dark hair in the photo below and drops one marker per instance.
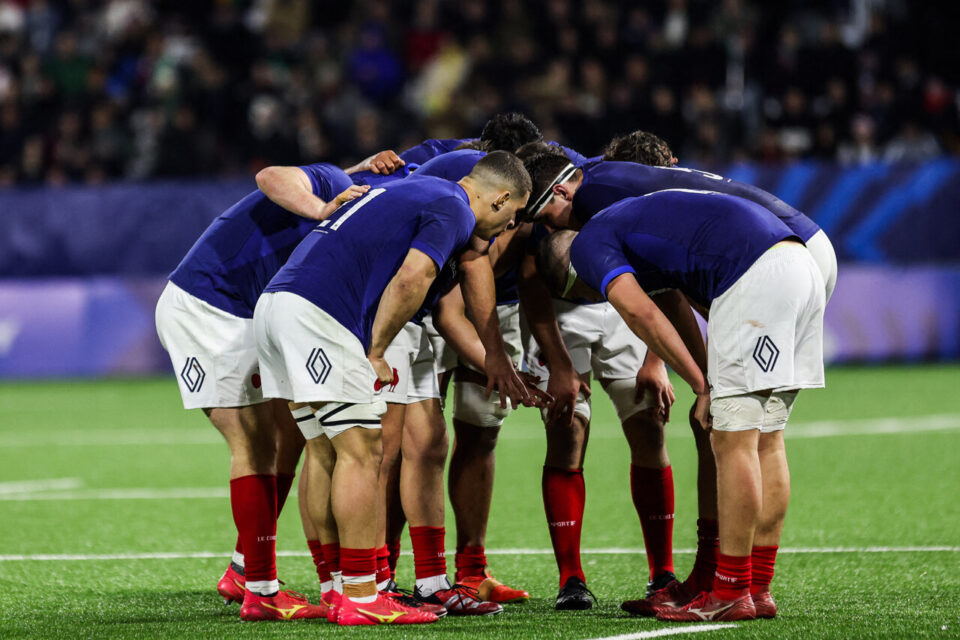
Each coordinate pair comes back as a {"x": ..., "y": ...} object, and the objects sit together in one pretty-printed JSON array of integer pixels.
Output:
[
  {"x": 641, "y": 147},
  {"x": 509, "y": 131},
  {"x": 503, "y": 169},
  {"x": 553, "y": 260},
  {"x": 476, "y": 145},
  {"x": 544, "y": 169},
  {"x": 537, "y": 147}
]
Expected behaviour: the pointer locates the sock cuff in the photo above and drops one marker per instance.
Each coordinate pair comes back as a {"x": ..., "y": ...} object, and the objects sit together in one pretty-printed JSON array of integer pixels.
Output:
[
  {"x": 561, "y": 471},
  {"x": 650, "y": 473},
  {"x": 358, "y": 562},
  {"x": 254, "y": 477},
  {"x": 428, "y": 531},
  {"x": 383, "y": 552}
]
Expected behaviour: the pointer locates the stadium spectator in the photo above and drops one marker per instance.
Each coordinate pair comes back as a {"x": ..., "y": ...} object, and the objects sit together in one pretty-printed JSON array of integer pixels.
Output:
[{"x": 736, "y": 80}]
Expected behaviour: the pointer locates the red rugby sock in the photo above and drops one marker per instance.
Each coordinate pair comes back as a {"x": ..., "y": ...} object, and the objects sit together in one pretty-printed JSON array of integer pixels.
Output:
[
  {"x": 652, "y": 491},
  {"x": 564, "y": 497},
  {"x": 253, "y": 500},
  {"x": 732, "y": 579},
  {"x": 429, "y": 558},
  {"x": 705, "y": 563},
  {"x": 762, "y": 560},
  {"x": 470, "y": 562}
]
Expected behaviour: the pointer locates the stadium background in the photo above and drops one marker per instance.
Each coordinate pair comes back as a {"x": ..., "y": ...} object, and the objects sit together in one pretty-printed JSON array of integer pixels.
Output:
[{"x": 126, "y": 126}]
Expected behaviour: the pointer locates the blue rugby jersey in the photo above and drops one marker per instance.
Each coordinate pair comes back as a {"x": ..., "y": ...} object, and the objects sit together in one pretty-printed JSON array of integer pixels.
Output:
[
  {"x": 606, "y": 182},
  {"x": 344, "y": 265},
  {"x": 694, "y": 241},
  {"x": 234, "y": 259},
  {"x": 371, "y": 179}
]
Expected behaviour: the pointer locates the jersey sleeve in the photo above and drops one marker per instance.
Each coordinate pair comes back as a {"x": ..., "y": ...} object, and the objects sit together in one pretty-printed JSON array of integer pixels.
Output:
[
  {"x": 598, "y": 258},
  {"x": 445, "y": 227},
  {"x": 326, "y": 180}
]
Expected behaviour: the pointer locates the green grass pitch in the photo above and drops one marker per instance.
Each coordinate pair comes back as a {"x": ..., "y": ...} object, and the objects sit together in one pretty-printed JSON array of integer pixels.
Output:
[{"x": 116, "y": 467}]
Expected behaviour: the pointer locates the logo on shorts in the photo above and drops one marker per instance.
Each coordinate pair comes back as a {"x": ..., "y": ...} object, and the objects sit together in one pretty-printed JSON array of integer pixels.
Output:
[
  {"x": 765, "y": 354},
  {"x": 318, "y": 366},
  {"x": 192, "y": 374}
]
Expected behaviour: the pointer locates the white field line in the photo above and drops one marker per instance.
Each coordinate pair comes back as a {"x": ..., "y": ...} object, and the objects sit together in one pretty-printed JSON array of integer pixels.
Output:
[
  {"x": 173, "y": 493},
  {"x": 208, "y": 437},
  {"x": 29, "y": 486},
  {"x": 188, "y": 555},
  {"x": 670, "y": 631}
]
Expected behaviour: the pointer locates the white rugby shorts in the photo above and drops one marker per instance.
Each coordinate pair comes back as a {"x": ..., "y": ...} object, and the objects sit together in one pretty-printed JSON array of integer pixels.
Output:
[
  {"x": 823, "y": 254},
  {"x": 469, "y": 403},
  {"x": 444, "y": 357},
  {"x": 766, "y": 331},
  {"x": 213, "y": 352},
  {"x": 411, "y": 355},
  {"x": 597, "y": 339},
  {"x": 307, "y": 356}
]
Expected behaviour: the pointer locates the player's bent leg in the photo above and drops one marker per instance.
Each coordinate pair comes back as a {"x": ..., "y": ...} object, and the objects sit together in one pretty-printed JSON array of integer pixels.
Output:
[
  {"x": 651, "y": 487},
  {"x": 735, "y": 437},
  {"x": 776, "y": 496},
  {"x": 564, "y": 499}
]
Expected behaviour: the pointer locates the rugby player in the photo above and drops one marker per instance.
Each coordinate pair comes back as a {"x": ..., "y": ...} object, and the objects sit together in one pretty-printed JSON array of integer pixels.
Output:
[
  {"x": 326, "y": 319},
  {"x": 764, "y": 296},
  {"x": 576, "y": 200},
  {"x": 204, "y": 321}
]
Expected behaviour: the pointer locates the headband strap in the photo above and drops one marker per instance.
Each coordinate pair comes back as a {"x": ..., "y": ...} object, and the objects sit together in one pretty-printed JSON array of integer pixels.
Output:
[{"x": 533, "y": 210}]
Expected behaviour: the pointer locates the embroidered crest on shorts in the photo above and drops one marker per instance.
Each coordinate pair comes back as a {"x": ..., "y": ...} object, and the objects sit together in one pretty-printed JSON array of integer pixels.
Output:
[
  {"x": 318, "y": 366},
  {"x": 192, "y": 374},
  {"x": 765, "y": 354}
]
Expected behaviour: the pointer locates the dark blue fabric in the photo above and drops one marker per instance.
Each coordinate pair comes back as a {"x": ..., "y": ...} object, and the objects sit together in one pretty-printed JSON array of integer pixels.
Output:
[
  {"x": 234, "y": 259},
  {"x": 699, "y": 243},
  {"x": 607, "y": 182},
  {"x": 344, "y": 265}
]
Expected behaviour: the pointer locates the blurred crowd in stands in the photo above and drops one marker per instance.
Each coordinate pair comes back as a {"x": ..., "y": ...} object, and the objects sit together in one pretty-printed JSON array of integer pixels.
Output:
[{"x": 94, "y": 91}]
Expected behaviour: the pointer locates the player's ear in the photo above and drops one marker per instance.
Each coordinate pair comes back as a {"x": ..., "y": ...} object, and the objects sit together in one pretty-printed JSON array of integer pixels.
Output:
[
  {"x": 500, "y": 200},
  {"x": 563, "y": 191}
]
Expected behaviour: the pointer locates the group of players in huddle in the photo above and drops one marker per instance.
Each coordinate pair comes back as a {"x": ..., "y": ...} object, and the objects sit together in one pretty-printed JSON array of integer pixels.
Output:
[{"x": 326, "y": 312}]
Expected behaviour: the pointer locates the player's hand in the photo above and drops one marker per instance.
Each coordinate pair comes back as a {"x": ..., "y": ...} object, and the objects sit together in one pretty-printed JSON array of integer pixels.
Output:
[
  {"x": 654, "y": 379},
  {"x": 502, "y": 376},
  {"x": 538, "y": 397},
  {"x": 564, "y": 385},
  {"x": 350, "y": 193},
  {"x": 382, "y": 369},
  {"x": 386, "y": 162},
  {"x": 701, "y": 411}
]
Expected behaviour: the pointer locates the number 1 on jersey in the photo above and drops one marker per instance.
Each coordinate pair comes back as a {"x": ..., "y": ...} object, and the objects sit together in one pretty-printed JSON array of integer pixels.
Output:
[{"x": 352, "y": 210}]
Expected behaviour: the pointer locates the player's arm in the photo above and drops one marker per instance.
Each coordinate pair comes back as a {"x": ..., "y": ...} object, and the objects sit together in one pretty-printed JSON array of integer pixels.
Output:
[
  {"x": 451, "y": 322},
  {"x": 384, "y": 162},
  {"x": 653, "y": 375},
  {"x": 480, "y": 300},
  {"x": 537, "y": 303},
  {"x": 649, "y": 323},
  {"x": 402, "y": 297},
  {"x": 290, "y": 188}
]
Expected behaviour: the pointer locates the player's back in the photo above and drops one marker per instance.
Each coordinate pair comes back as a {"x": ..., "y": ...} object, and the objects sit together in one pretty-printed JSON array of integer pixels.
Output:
[
  {"x": 234, "y": 259},
  {"x": 696, "y": 241},
  {"x": 344, "y": 265},
  {"x": 606, "y": 182},
  {"x": 451, "y": 166}
]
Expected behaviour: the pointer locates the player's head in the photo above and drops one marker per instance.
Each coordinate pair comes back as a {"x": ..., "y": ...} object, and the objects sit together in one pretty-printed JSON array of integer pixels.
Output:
[
  {"x": 537, "y": 147},
  {"x": 553, "y": 266},
  {"x": 509, "y": 131},
  {"x": 555, "y": 181},
  {"x": 641, "y": 147},
  {"x": 498, "y": 186}
]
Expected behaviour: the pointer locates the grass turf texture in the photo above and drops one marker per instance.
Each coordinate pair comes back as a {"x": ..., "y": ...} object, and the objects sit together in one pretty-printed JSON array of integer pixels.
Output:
[{"x": 890, "y": 490}]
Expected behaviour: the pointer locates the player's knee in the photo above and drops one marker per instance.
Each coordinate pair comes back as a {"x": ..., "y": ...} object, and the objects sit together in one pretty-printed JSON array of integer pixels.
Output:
[
  {"x": 623, "y": 394},
  {"x": 470, "y": 405}
]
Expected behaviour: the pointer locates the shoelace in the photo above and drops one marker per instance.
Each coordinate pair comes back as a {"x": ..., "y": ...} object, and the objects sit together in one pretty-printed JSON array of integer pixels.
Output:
[
  {"x": 698, "y": 601},
  {"x": 463, "y": 591},
  {"x": 406, "y": 598},
  {"x": 295, "y": 595}
]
